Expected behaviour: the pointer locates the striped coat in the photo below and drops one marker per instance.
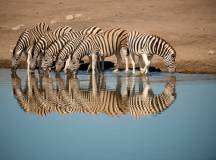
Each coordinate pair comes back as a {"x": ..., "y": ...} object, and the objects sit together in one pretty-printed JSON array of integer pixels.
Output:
[
  {"x": 25, "y": 43},
  {"x": 145, "y": 46},
  {"x": 52, "y": 52},
  {"x": 104, "y": 45}
]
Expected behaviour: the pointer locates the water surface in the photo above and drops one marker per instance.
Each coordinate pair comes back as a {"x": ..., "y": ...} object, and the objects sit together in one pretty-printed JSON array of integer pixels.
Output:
[{"x": 107, "y": 117}]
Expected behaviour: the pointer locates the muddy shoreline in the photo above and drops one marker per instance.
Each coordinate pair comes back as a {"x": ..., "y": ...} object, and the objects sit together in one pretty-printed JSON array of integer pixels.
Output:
[
  {"x": 183, "y": 67},
  {"x": 188, "y": 25}
]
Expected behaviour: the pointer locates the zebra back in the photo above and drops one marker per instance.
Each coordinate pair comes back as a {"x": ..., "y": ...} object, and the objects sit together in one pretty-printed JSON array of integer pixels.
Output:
[
  {"x": 91, "y": 30},
  {"x": 38, "y": 31},
  {"x": 62, "y": 30}
]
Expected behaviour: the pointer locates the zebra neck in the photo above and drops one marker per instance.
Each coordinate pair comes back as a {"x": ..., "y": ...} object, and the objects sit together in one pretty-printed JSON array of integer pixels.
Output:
[{"x": 82, "y": 50}]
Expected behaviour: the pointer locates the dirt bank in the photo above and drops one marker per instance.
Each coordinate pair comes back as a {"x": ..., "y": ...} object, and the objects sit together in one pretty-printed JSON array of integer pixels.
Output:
[{"x": 187, "y": 24}]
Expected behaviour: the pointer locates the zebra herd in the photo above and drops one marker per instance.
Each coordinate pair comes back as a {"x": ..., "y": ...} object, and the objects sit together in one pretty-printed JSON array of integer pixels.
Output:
[
  {"x": 64, "y": 47},
  {"x": 43, "y": 95}
]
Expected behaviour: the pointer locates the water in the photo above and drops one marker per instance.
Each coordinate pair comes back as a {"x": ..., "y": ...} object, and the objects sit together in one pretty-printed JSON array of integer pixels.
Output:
[{"x": 184, "y": 128}]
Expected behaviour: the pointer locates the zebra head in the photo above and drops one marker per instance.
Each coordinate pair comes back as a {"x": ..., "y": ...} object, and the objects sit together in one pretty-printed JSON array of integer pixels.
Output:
[
  {"x": 170, "y": 88},
  {"x": 170, "y": 61},
  {"x": 20, "y": 47},
  {"x": 73, "y": 66},
  {"x": 59, "y": 65},
  {"x": 15, "y": 60},
  {"x": 46, "y": 63},
  {"x": 33, "y": 64}
]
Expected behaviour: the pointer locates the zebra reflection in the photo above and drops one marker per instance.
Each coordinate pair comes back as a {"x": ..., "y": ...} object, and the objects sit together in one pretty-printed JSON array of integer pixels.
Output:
[
  {"x": 145, "y": 102},
  {"x": 99, "y": 99},
  {"x": 31, "y": 98},
  {"x": 42, "y": 95}
]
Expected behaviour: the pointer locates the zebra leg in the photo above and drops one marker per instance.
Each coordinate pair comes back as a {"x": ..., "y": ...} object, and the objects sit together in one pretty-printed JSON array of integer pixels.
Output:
[
  {"x": 29, "y": 57},
  {"x": 126, "y": 64},
  {"x": 90, "y": 64},
  {"x": 94, "y": 59},
  {"x": 132, "y": 89},
  {"x": 98, "y": 64},
  {"x": 67, "y": 63},
  {"x": 125, "y": 91},
  {"x": 147, "y": 89},
  {"x": 94, "y": 85},
  {"x": 28, "y": 62},
  {"x": 125, "y": 53},
  {"x": 147, "y": 62},
  {"x": 141, "y": 64},
  {"x": 118, "y": 61},
  {"x": 133, "y": 63},
  {"x": 102, "y": 63}
]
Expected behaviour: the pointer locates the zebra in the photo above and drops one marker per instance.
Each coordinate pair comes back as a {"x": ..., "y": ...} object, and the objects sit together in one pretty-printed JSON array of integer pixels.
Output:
[
  {"x": 67, "y": 50},
  {"x": 105, "y": 44},
  {"x": 52, "y": 52},
  {"x": 45, "y": 41},
  {"x": 145, "y": 102},
  {"x": 25, "y": 43},
  {"x": 145, "y": 46}
]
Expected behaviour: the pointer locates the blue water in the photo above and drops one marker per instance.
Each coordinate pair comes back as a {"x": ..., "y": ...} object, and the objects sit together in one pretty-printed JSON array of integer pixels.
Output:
[{"x": 185, "y": 130}]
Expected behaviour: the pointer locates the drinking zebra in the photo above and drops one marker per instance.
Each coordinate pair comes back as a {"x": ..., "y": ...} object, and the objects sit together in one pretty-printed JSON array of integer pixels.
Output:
[
  {"x": 25, "y": 43},
  {"x": 52, "y": 52},
  {"x": 105, "y": 44},
  {"x": 145, "y": 46},
  {"x": 67, "y": 51},
  {"x": 45, "y": 41}
]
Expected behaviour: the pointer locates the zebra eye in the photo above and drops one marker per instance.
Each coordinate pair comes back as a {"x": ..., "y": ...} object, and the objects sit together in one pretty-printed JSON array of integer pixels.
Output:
[{"x": 173, "y": 55}]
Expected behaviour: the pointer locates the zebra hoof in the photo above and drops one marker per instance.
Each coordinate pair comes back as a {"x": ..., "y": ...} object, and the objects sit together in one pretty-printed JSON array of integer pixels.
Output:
[{"x": 115, "y": 70}]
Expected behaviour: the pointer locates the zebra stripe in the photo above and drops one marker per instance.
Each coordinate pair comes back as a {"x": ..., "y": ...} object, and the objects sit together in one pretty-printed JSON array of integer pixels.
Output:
[
  {"x": 29, "y": 98},
  {"x": 47, "y": 96},
  {"x": 52, "y": 52},
  {"x": 67, "y": 51},
  {"x": 45, "y": 41},
  {"x": 70, "y": 96},
  {"x": 105, "y": 44},
  {"x": 25, "y": 43},
  {"x": 97, "y": 99},
  {"x": 145, "y": 46},
  {"x": 91, "y": 30},
  {"x": 145, "y": 103}
]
